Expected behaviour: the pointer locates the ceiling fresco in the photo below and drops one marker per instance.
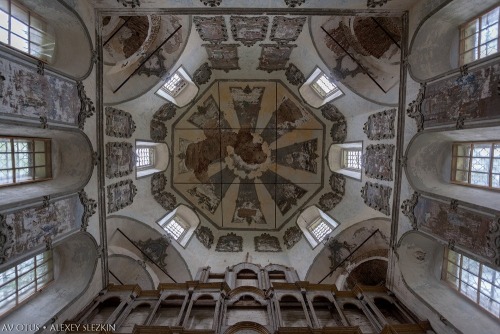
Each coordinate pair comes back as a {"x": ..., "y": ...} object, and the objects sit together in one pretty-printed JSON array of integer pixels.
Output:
[{"x": 247, "y": 154}]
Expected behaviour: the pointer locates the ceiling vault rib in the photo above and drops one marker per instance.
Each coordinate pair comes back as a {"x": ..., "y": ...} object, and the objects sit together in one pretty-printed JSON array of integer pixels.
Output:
[
  {"x": 146, "y": 255},
  {"x": 147, "y": 58},
  {"x": 354, "y": 59}
]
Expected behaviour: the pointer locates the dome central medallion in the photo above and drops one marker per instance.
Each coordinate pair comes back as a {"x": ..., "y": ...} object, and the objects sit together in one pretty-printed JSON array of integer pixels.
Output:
[{"x": 247, "y": 154}]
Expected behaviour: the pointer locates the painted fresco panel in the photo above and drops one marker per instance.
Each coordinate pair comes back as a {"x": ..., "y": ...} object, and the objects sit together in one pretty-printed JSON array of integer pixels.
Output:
[
  {"x": 33, "y": 226},
  {"x": 472, "y": 96},
  {"x": 464, "y": 227},
  {"x": 26, "y": 93}
]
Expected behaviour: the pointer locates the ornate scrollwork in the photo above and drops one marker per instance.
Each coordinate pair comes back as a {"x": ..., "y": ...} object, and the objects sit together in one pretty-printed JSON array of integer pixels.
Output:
[
  {"x": 408, "y": 208},
  {"x": 415, "y": 108},
  {"x": 205, "y": 236},
  {"x": 292, "y": 236},
  {"x": 87, "y": 108},
  {"x": 294, "y": 75},
  {"x": 229, "y": 243},
  {"x": 493, "y": 240},
  {"x": 202, "y": 74},
  {"x": 6, "y": 238},
  {"x": 267, "y": 243},
  {"x": 375, "y": 3},
  {"x": 89, "y": 209},
  {"x": 156, "y": 249}
]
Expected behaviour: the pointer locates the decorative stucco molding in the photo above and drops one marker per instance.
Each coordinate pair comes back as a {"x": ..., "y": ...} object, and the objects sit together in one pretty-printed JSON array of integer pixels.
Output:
[
  {"x": 338, "y": 131},
  {"x": 211, "y": 3},
  {"x": 131, "y": 3},
  {"x": 229, "y": 243},
  {"x": 375, "y": 3},
  {"x": 380, "y": 125},
  {"x": 89, "y": 209},
  {"x": 294, "y": 3},
  {"x": 211, "y": 29},
  {"x": 415, "y": 108},
  {"x": 285, "y": 30},
  {"x": 377, "y": 197},
  {"x": 205, "y": 236},
  {"x": 119, "y": 123},
  {"x": 328, "y": 201},
  {"x": 120, "y": 195},
  {"x": 377, "y": 161},
  {"x": 6, "y": 239},
  {"x": 167, "y": 200},
  {"x": 249, "y": 30},
  {"x": 120, "y": 159},
  {"x": 294, "y": 75},
  {"x": 157, "y": 131},
  {"x": 408, "y": 207},
  {"x": 156, "y": 250},
  {"x": 166, "y": 112},
  {"x": 267, "y": 243},
  {"x": 87, "y": 108},
  {"x": 202, "y": 74},
  {"x": 493, "y": 240},
  {"x": 292, "y": 236}
]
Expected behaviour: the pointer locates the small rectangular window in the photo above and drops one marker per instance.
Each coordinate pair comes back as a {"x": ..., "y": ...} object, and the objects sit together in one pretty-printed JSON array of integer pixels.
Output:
[
  {"x": 174, "y": 85},
  {"x": 476, "y": 164},
  {"x": 145, "y": 157},
  {"x": 324, "y": 86},
  {"x": 25, "y": 279},
  {"x": 175, "y": 228},
  {"x": 24, "y": 160},
  {"x": 479, "y": 37},
  {"x": 473, "y": 279},
  {"x": 351, "y": 159},
  {"x": 320, "y": 229}
]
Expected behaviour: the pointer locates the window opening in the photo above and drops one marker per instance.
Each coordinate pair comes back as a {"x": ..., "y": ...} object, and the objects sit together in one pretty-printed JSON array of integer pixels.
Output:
[
  {"x": 476, "y": 164},
  {"x": 320, "y": 229},
  {"x": 479, "y": 37},
  {"x": 24, "y": 160},
  {"x": 25, "y": 31},
  {"x": 175, "y": 228},
  {"x": 477, "y": 281},
  {"x": 22, "y": 281},
  {"x": 351, "y": 159},
  {"x": 145, "y": 157},
  {"x": 174, "y": 85},
  {"x": 324, "y": 86}
]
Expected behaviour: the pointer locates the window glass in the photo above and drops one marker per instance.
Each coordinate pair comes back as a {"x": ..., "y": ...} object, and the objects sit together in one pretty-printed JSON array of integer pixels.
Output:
[
  {"x": 351, "y": 159},
  {"x": 324, "y": 86},
  {"x": 174, "y": 85},
  {"x": 25, "y": 31},
  {"x": 479, "y": 37},
  {"x": 175, "y": 229},
  {"x": 473, "y": 279},
  {"x": 24, "y": 160},
  {"x": 25, "y": 279},
  {"x": 476, "y": 164},
  {"x": 320, "y": 229},
  {"x": 145, "y": 156}
]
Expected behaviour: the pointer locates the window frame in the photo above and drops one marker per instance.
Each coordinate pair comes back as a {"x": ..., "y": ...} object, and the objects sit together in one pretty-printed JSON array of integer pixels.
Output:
[
  {"x": 38, "y": 287},
  {"x": 179, "y": 221},
  {"x": 316, "y": 225},
  {"x": 152, "y": 157},
  {"x": 29, "y": 39},
  {"x": 454, "y": 168},
  {"x": 316, "y": 87},
  {"x": 462, "y": 37},
  {"x": 457, "y": 287},
  {"x": 345, "y": 158},
  {"x": 48, "y": 160},
  {"x": 179, "y": 86}
]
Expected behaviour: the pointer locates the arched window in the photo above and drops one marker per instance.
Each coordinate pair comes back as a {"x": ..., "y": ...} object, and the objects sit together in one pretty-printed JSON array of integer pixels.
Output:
[
  {"x": 473, "y": 279},
  {"x": 479, "y": 36},
  {"x": 25, "y": 279},
  {"x": 25, "y": 31},
  {"x": 24, "y": 160}
]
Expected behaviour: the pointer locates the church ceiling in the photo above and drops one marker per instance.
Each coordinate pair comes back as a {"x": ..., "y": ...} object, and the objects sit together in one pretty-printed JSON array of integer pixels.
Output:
[{"x": 247, "y": 154}]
